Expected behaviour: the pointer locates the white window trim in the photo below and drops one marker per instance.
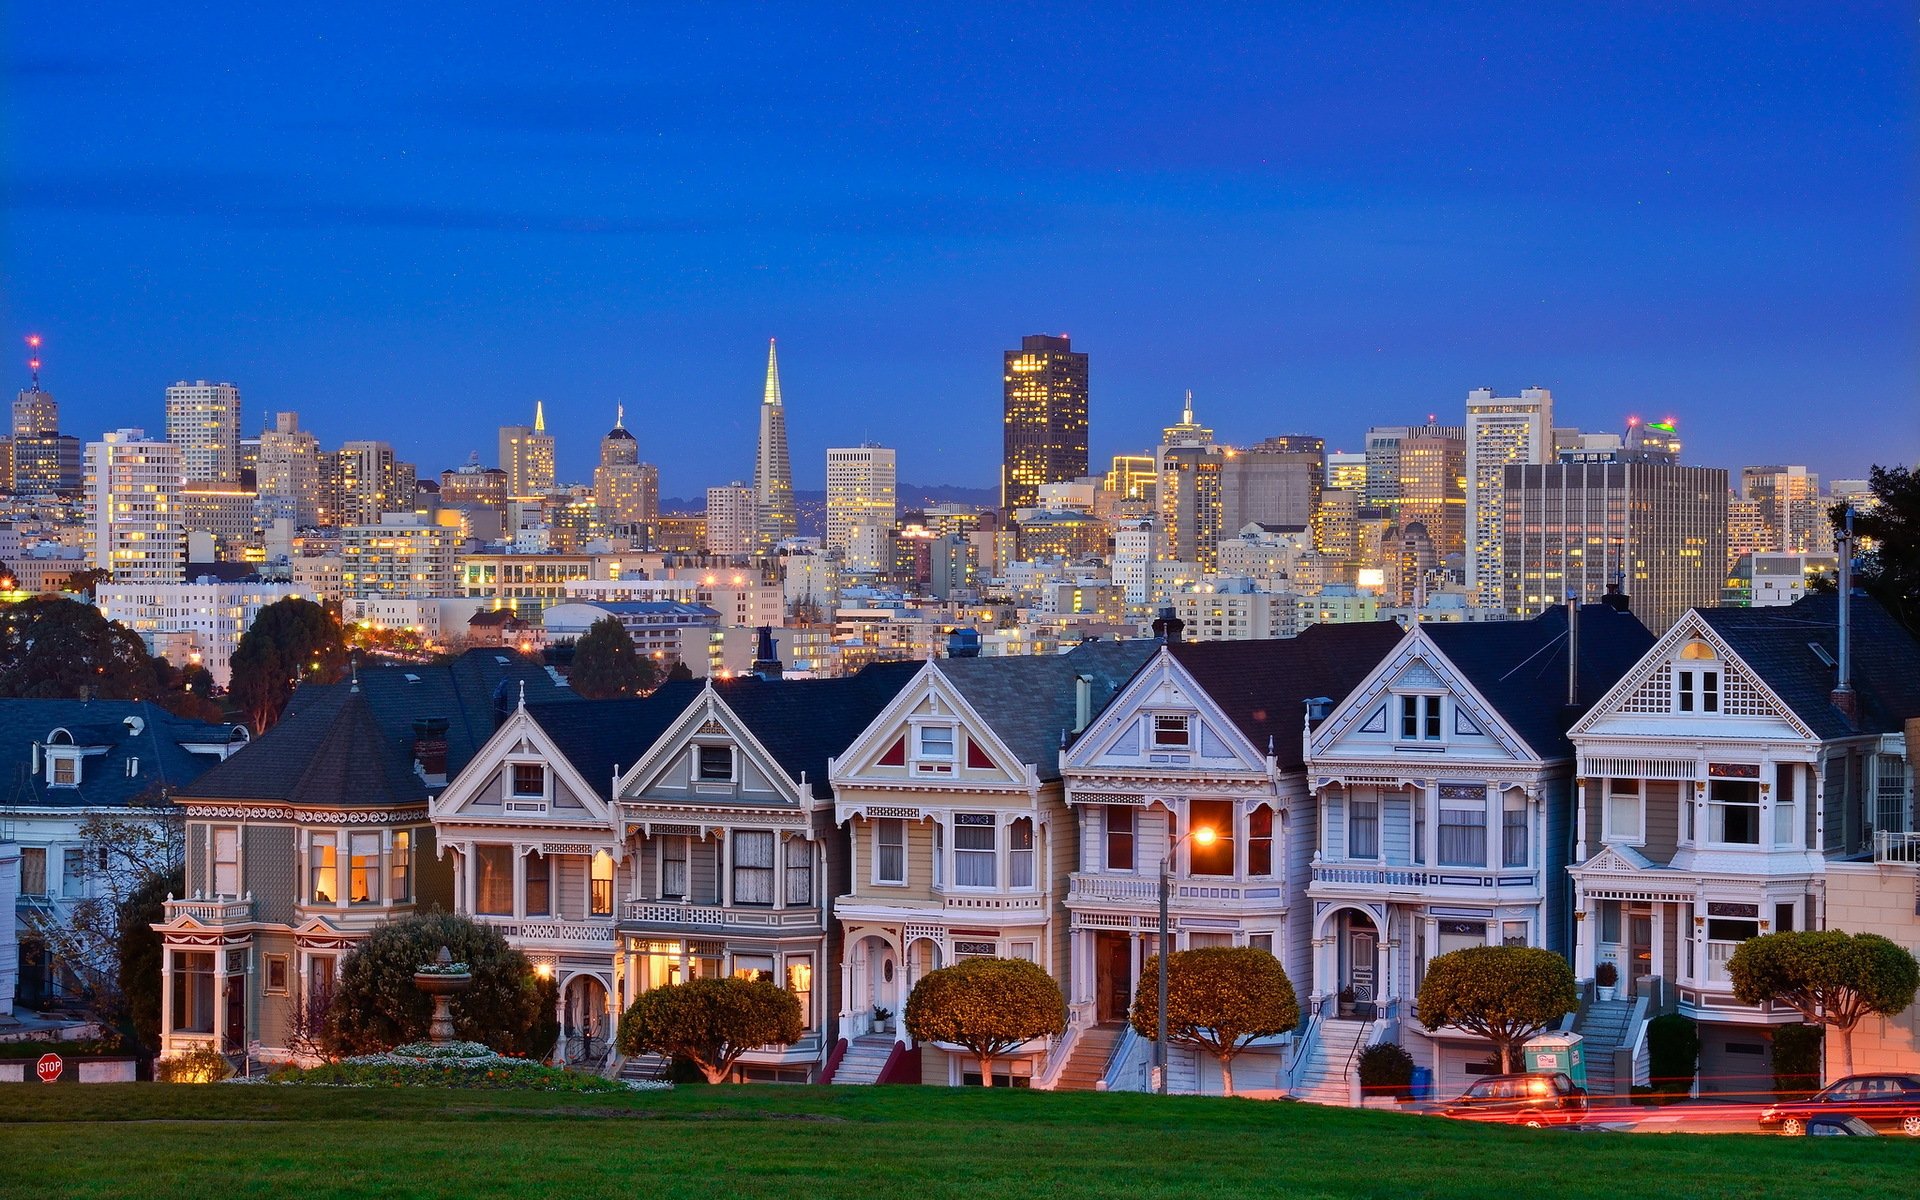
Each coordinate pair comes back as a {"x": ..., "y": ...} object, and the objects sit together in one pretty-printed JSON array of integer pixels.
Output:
[
  {"x": 1000, "y": 864},
  {"x": 733, "y": 764},
  {"x": 54, "y": 758},
  {"x": 906, "y": 847},
  {"x": 1439, "y": 719},
  {"x": 1153, "y": 731},
  {"x": 1607, "y": 834},
  {"x": 515, "y": 801}
]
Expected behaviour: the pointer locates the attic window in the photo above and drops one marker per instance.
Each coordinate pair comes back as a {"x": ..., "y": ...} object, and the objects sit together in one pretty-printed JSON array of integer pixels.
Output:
[
  {"x": 713, "y": 764},
  {"x": 64, "y": 770},
  {"x": 1171, "y": 730},
  {"x": 529, "y": 779}
]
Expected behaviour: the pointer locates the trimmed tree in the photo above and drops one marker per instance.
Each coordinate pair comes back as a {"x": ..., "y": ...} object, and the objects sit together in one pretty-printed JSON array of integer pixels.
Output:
[
  {"x": 1829, "y": 977},
  {"x": 1505, "y": 994},
  {"x": 1219, "y": 999},
  {"x": 711, "y": 1022},
  {"x": 606, "y": 663},
  {"x": 987, "y": 1005},
  {"x": 291, "y": 641},
  {"x": 375, "y": 1005}
]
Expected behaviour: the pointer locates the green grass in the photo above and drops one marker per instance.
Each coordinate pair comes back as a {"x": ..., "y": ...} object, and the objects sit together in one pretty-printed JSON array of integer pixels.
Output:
[{"x": 899, "y": 1142}]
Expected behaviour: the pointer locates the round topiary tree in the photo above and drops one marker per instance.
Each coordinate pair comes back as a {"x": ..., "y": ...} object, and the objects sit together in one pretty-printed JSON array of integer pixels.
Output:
[
  {"x": 1219, "y": 999},
  {"x": 711, "y": 1022},
  {"x": 1829, "y": 977},
  {"x": 1505, "y": 994},
  {"x": 375, "y": 1006},
  {"x": 987, "y": 1005},
  {"x": 1386, "y": 1069}
]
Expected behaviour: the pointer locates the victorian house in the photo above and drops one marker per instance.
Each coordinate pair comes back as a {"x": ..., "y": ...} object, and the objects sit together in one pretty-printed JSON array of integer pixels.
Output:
[
  {"x": 1444, "y": 784},
  {"x": 316, "y": 832},
  {"x": 1206, "y": 736},
  {"x": 962, "y": 844},
  {"x": 1745, "y": 752}
]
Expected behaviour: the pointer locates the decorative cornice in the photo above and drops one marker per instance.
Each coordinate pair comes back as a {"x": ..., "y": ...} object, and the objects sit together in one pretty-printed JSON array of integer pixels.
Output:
[{"x": 306, "y": 816}]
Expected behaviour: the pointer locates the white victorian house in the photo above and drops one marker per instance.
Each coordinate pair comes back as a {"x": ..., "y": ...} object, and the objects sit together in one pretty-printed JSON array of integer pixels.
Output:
[
  {"x": 1718, "y": 779},
  {"x": 1444, "y": 784}
]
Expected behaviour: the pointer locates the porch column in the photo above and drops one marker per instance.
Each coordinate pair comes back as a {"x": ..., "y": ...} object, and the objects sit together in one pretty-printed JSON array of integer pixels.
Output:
[
  {"x": 1579, "y": 821},
  {"x": 220, "y": 998},
  {"x": 1586, "y": 930},
  {"x": 467, "y": 874},
  {"x": 725, "y": 881},
  {"x": 1388, "y": 992},
  {"x": 1429, "y": 795},
  {"x": 166, "y": 995},
  {"x": 1326, "y": 969},
  {"x": 1658, "y": 947},
  {"x": 520, "y": 883}
]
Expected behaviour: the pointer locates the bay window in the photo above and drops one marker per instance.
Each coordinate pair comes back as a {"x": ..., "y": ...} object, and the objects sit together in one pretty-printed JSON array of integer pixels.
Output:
[
  {"x": 754, "y": 968},
  {"x": 1020, "y": 853},
  {"x": 1513, "y": 832},
  {"x": 193, "y": 990},
  {"x": 973, "y": 850},
  {"x": 799, "y": 889},
  {"x": 1260, "y": 841},
  {"x": 324, "y": 870},
  {"x": 1463, "y": 837},
  {"x": 1786, "y": 808},
  {"x": 363, "y": 868},
  {"x": 800, "y": 983},
  {"x": 1724, "y": 936},
  {"x": 1217, "y": 858},
  {"x": 1733, "y": 811},
  {"x": 400, "y": 866}
]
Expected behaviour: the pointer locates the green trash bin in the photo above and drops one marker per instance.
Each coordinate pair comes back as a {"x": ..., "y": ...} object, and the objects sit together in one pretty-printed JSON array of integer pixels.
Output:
[{"x": 1562, "y": 1052}]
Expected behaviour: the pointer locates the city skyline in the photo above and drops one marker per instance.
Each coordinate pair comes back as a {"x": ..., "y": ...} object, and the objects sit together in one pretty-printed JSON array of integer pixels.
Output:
[{"x": 1304, "y": 252}]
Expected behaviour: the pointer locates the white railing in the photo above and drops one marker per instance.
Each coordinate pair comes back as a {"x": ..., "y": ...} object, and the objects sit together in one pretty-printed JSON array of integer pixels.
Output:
[
  {"x": 1131, "y": 1067},
  {"x": 1423, "y": 877},
  {"x": 573, "y": 933},
  {"x": 666, "y": 912},
  {"x": 999, "y": 903},
  {"x": 1180, "y": 891},
  {"x": 211, "y": 912},
  {"x": 1890, "y": 847},
  {"x": 1103, "y": 887}
]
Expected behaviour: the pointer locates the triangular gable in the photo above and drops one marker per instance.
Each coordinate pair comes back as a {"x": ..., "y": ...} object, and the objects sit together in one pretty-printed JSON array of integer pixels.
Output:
[
  {"x": 1647, "y": 690},
  {"x": 761, "y": 775},
  {"x": 1119, "y": 737},
  {"x": 520, "y": 737},
  {"x": 883, "y": 754},
  {"x": 1361, "y": 722}
]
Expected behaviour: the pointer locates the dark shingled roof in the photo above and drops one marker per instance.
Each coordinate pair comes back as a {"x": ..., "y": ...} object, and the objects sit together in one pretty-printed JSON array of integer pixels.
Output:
[
  {"x": 1263, "y": 686},
  {"x": 1778, "y": 644},
  {"x": 1031, "y": 702},
  {"x": 1520, "y": 667},
  {"x": 352, "y": 743},
  {"x": 601, "y": 736},
  {"x": 160, "y": 747}
]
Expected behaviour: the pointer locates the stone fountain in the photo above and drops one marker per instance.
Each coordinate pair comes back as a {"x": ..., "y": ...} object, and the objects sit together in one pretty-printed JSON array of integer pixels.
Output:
[{"x": 443, "y": 979}]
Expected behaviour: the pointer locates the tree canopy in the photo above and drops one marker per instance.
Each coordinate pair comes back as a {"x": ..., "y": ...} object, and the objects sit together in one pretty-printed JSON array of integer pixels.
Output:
[
  {"x": 375, "y": 1006},
  {"x": 1505, "y": 994},
  {"x": 1219, "y": 999},
  {"x": 55, "y": 648},
  {"x": 606, "y": 663},
  {"x": 292, "y": 640},
  {"x": 711, "y": 1022},
  {"x": 1828, "y": 976},
  {"x": 988, "y": 1005},
  {"x": 140, "y": 953},
  {"x": 1890, "y": 571}
]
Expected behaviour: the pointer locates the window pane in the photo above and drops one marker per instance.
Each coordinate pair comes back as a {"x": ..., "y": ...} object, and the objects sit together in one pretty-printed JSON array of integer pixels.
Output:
[
  {"x": 539, "y": 871},
  {"x": 600, "y": 885},
  {"x": 800, "y": 983},
  {"x": 716, "y": 762},
  {"x": 1463, "y": 837},
  {"x": 1020, "y": 853},
  {"x": 363, "y": 877},
  {"x": 1217, "y": 815},
  {"x": 1119, "y": 837},
  {"x": 493, "y": 886},
  {"x": 799, "y": 871},
  {"x": 1171, "y": 730},
  {"x": 673, "y": 867},
  {"x": 1514, "y": 838},
  {"x": 529, "y": 779},
  {"x": 890, "y": 838},
  {"x": 325, "y": 872},
  {"x": 400, "y": 865},
  {"x": 1260, "y": 841},
  {"x": 973, "y": 850},
  {"x": 1363, "y": 829},
  {"x": 936, "y": 741},
  {"x": 753, "y": 867}
]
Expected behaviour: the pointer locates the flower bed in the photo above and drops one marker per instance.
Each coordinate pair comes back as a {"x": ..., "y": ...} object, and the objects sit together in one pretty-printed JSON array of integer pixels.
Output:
[{"x": 454, "y": 1065}]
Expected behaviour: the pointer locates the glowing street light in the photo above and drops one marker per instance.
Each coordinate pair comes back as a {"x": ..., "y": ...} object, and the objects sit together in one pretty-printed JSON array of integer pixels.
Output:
[{"x": 1204, "y": 835}]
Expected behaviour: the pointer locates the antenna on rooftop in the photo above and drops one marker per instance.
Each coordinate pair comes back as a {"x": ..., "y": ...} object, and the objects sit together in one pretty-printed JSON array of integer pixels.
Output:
[{"x": 33, "y": 359}]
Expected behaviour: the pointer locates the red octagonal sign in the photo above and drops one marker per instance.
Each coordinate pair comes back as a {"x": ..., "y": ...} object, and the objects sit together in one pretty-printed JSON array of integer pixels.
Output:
[{"x": 49, "y": 1067}]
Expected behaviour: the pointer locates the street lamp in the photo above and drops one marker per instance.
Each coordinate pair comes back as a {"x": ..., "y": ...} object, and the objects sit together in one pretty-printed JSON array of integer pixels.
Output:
[{"x": 1202, "y": 836}]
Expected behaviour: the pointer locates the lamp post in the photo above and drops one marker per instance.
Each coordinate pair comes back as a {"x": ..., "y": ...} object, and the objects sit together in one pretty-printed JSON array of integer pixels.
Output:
[{"x": 1203, "y": 836}]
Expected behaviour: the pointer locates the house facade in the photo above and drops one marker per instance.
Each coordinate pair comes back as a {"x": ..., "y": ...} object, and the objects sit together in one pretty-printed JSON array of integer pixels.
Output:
[
  {"x": 1444, "y": 785},
  {"x": 1717, "y": 781},
  {"x": 961, "y": 841}
]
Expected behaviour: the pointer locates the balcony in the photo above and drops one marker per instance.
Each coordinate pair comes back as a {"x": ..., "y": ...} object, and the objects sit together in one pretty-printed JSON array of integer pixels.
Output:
[
  {"x": 1370, "y": 880},
  {"x": 1187, "y": 893},
  {"x": 590, "y": 934},
  {"x": 211, "y": 912},
  {"x": 654, "y": 913},
  {"x": 1896, "y": 847}
]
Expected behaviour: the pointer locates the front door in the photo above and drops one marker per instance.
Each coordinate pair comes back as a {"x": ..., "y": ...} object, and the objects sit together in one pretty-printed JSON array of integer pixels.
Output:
[
  {"x": 1362, "y": 955},
  {"x": 1639, "y": 949},
  {"x": 235, "y": 1032},
  {"x": 1113, "y": 971},
  {"x": 883, "y": 981}
]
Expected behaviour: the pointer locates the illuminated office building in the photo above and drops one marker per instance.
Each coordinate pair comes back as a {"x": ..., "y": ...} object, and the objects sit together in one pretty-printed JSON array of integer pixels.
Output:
[{"x": 1046, "y": 418}]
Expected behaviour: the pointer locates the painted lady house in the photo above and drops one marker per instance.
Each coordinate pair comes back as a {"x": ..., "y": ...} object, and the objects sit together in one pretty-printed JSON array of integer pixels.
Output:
[
  {"x": 1205, "y": 735},
  {"x": 1444, "y": 784},
  {"x": 962, "y": 845},
  {"x": 1719, "y": 778},
  {"x": 313, "y": 834}
]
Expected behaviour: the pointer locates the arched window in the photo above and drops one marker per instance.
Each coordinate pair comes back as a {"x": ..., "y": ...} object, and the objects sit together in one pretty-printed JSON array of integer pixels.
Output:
[{"x": 1696, "y": 651}]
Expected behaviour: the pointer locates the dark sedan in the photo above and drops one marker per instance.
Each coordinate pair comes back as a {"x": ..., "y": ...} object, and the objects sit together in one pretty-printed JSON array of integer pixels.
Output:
[{"x": 1882, "y": 1101}]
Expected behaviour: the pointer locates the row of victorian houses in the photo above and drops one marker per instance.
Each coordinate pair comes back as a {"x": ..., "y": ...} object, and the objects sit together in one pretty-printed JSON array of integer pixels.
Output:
[{"x": 1381, "y": 796}]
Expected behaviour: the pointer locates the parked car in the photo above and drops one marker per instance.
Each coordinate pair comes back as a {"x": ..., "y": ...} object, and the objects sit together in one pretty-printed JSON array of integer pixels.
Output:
[
  {"x": 1831, "y": 1126},
  {"x": 1882, "y": 1101},
  {"x": 1536, "y": 1099}
]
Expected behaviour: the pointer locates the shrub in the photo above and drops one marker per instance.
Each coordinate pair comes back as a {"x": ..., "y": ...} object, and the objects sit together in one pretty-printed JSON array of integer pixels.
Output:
[
  {"x": 1219, "y": 999},
  {"x": 454, "y": 1065},
  {"x": 1386, "y": 1069},
  {"x": 202, "y": 1064},
  {"x": 1505, "y": 994},
  {"x": 1673, "y": 1053},
  {"x": 376, "y": 1005},
  {"x": 988, "y": 1005},
  {"x": 1606, "y": 974},
  {"x": 711, "y": 1022},
  {"x": 1796, "y": 1059}
]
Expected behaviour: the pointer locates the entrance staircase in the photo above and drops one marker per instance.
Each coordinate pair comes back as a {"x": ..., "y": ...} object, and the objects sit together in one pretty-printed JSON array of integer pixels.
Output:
[
  {"x": 1327, "y": 1077},
  {"x": 1603, "y": 1029},
  {"x": 1087, "y": 1064},
  {"x": 865, "y": 1058},
  {"x": 645, "y": 1068}
]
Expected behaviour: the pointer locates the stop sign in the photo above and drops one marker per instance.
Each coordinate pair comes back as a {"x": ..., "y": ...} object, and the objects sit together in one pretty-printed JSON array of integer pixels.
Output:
[{"x": 49, "y": 1067}]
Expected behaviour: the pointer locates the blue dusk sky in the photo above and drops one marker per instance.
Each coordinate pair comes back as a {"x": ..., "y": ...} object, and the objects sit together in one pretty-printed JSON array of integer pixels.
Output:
[{"x": 411, "y": 221}]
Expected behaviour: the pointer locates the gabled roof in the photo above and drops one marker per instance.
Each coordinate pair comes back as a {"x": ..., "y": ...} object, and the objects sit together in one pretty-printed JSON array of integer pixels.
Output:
[
  {"x": 352, "y": 743},
  {"x": 601, "y": 736},
  {"x": 1263, "y": 686},
  {"x": 160, "y": 746},
  {"x": 1777, "y": 643},
  {"x": 1520, "y": 667},
  {"x": 1031, "y": 702}
]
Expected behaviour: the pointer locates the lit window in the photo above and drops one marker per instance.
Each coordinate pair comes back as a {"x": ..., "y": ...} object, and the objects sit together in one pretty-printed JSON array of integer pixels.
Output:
[
  {"x": 325, "y": 867},
  {"x": 600, "y": 898},
  {"x": 363, "y": 868},
  {"x": 226, "y": 861},
  {"x": 400, "y": 866}
]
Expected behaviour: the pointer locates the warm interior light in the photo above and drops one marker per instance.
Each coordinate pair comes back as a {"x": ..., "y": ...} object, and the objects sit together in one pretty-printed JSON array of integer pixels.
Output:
[{"x": 1204, "y": 836}]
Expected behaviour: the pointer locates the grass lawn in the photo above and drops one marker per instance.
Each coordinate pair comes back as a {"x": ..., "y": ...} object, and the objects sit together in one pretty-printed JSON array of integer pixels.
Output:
[{"x": 916, "y": 1143}]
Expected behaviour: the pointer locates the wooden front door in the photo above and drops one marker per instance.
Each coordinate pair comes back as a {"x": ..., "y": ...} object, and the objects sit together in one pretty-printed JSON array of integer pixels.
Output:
[
  {"x": 1362, "y": 951},
  {"x": 1113, "y": 973}
]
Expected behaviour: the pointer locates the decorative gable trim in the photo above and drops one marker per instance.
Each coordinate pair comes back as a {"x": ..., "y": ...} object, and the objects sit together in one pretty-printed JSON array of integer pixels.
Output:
[
  {"x": 519, "y": 737},
  {"x": 1163, "y": 683},
  {"x": 1418, "y": 660},
  {"x": 708, "y": 716},
  {"x": 1647, "y": 690},
  {"x": 930, "y": 694}
]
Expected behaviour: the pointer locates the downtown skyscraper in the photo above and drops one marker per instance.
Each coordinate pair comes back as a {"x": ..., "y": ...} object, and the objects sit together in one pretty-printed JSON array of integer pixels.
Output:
[
  {"x": 775, "y": 517},
  {"x": 1046, "y": 418},
  {"x": 526, "y": 455},
  {"x": 203, "y": 420},
  {"x": 1501, "y": 431}
]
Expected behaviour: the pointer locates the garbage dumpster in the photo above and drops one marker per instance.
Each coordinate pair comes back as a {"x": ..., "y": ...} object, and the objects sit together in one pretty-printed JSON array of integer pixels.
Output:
[{"x": 1562, "y": 1052}]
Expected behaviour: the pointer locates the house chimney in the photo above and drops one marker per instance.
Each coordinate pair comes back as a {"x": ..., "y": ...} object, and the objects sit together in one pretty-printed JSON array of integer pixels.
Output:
[
  {"x": 766, "y": 663},
  {"x": 1167, "y": 627},
  {"x": 1082, "y": 701},
  {"x": 1842, "y": 696},
  {"x": 430, "y": 750},
  {"x": 1573, "y": 649},
  {"x": 1616, "y": 599}
]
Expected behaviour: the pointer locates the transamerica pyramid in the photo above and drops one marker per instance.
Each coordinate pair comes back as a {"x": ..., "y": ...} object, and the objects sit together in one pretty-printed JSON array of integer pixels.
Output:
[{"x": 775, "y": 519}]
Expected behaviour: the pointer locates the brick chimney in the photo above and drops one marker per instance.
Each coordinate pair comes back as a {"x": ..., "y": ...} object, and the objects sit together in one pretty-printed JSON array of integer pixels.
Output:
[{"x": 430, "y": 750}]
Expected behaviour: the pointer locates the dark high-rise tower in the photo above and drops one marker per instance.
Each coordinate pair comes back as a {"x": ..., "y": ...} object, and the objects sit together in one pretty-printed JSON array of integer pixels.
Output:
[{"x": 1046, "y": 418}]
